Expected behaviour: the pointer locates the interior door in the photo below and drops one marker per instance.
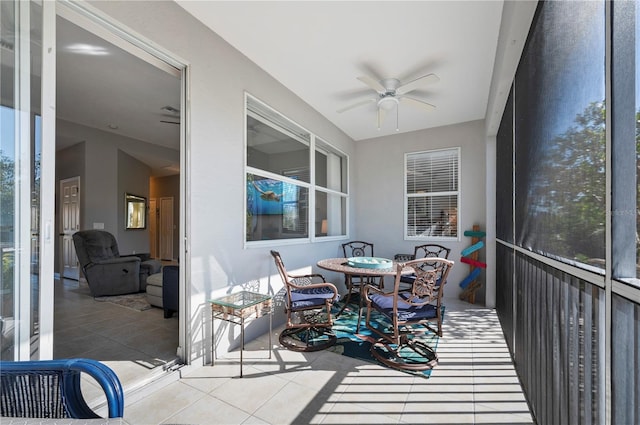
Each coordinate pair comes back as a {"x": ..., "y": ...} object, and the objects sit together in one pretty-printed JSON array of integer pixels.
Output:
[
  {"x": 153, "y": 227},
  {"x": 70, "y": 223},
  {"x": 27, "y": 206},
  {"x": 166, "y": 228}
]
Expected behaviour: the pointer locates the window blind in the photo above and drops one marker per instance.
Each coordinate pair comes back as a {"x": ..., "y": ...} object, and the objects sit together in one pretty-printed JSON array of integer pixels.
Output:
[
  {"x": 429, "y": 172},
  {"x": 432, "y": 182}
]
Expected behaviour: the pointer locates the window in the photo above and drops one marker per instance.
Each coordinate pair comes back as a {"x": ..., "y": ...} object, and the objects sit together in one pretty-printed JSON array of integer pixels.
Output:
[
  {"x": 331, "y": 190},
  {"x": 295, "y": 204},
  {"x": 285, "y": 164},
  {"x": 432, "y": 196}
]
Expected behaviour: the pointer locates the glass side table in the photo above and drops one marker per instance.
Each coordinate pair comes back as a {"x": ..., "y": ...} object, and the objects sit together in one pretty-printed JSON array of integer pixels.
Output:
[{"x": 235, "y": 308}]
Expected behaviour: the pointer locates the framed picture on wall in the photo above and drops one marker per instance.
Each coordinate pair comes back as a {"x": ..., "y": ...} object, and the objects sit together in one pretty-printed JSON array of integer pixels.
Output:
[{"x": 135, "y": 211}]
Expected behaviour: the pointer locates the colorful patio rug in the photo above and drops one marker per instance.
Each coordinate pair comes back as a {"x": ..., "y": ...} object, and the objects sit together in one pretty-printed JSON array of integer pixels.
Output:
[{"x": 358, "y": 345}]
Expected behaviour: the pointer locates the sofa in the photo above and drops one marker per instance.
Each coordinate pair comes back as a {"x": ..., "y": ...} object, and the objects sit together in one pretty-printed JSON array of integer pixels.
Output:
[
  {"x": 154, "y": 290},
  {"x": 148, "y": 267}
]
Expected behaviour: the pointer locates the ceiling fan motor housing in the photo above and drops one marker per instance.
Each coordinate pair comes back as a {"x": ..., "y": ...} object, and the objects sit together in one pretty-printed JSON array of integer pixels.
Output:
[
  {"x": 388, "y": 99},
  {"x": 390, "y": 84}
]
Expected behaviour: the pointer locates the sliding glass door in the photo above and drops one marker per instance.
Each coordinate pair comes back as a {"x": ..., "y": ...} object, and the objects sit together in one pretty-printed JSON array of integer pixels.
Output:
[{"x": 27, "y": 155}]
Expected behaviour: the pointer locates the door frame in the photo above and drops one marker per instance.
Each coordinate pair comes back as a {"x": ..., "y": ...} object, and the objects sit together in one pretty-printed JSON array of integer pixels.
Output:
[
  {"x": 105, "y": 26},
  {"x": 34, "y": 239}
]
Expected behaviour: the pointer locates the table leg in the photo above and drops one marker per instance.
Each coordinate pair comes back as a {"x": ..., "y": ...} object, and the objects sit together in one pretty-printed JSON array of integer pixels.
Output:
[
  {"x": 349, "y": 289},
  {"x": 270, "y": 329},
  {"x": 360, "y": 309},
  {"x": 241, "y": 342},
  {"x": 213, "y": 339}
]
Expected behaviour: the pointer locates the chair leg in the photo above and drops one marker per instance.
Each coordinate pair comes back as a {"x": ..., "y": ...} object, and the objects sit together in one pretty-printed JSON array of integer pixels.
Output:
[
  {"x": 307, "y": 338},
  {"x": 410, "y": 354}
]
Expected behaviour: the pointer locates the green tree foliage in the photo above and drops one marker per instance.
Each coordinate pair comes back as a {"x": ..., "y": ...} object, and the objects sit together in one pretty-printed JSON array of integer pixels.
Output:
[
  {"x": 569, "y": 188},
  {"x": 7, "y": 183}
]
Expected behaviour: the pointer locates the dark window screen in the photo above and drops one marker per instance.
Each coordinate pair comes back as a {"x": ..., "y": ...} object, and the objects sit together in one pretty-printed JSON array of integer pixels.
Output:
[
  {"x": 504, "y": 174},
  {"x": 559, "y": 133}
]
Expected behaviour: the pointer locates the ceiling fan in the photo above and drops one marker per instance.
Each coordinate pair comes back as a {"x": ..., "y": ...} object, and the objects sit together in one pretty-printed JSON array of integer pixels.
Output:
[
  {"x": 171, "y": 112},
  {"x": 390, "y": 92}
]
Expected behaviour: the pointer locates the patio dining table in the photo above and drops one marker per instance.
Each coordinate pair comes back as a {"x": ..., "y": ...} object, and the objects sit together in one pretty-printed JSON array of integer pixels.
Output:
[{"x": 343, "y": 265}]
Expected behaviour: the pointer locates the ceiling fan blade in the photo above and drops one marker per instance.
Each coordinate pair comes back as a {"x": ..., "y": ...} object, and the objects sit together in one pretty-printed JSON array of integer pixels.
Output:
[
  {"x": 373, "y": 83},
  {"x": 355, "y": 105},
  {"x": 417, "y": 102},
  {"x": 381, "y": 114},
  {"x": 418, "y": 82}
]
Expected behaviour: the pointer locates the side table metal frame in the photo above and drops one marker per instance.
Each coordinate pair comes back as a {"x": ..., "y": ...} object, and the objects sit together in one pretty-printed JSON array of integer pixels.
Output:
[{"x": 236, "y": 313}]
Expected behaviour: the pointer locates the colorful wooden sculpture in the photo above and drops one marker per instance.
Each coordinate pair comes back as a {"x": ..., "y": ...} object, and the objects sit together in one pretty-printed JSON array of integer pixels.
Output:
[{"x": 471, "y": 283}]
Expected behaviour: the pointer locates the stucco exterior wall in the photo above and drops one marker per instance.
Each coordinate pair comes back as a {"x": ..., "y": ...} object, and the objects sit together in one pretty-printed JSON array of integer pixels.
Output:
[
  {"x": 379, "y": 171},
  {"x": 218, "y": 77}
]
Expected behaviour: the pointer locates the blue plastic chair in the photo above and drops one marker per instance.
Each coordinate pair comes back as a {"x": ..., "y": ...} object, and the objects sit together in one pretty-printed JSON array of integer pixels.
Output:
[{"x": 51, "y": 389}]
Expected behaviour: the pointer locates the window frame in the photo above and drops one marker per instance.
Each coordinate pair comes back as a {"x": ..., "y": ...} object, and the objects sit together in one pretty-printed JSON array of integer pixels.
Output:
[
  {"x": 312, "y": 234},
  {"x": 622, "y": 133},
  {"x": 407, "y": 196},
  {"x": 325, "y": 148}
]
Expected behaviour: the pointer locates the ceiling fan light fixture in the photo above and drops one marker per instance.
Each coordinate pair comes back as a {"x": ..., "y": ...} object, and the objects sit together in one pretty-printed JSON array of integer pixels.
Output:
[
  {"x": 387, "y": 103},
  {"x": 87, "y": 49}
]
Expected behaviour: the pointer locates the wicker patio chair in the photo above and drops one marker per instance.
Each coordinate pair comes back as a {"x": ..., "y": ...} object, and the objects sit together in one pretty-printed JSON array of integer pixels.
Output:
[{"x": 51, "y": 389}]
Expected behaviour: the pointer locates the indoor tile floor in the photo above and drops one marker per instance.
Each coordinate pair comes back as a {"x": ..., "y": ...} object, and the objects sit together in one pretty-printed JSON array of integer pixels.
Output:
[
  {"x": 136, "y": 344},
  {"x": 474, "y": 382}
]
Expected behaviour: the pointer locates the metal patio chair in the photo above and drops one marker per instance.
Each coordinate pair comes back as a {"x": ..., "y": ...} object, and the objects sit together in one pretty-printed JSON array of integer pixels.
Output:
[
  {"x": 408, "y": 315},
  {"x": 308, "y": 302}
]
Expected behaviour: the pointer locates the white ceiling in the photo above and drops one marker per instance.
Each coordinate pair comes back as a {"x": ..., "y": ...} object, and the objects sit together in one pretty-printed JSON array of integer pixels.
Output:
[
  {"x": 115, "y": 86},
  {"x": 99, "y": 85},
  {"x": 318, "y": 49}
]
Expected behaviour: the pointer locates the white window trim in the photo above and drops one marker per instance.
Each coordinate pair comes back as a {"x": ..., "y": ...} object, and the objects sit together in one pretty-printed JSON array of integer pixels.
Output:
[
  {"x": 311, "y": 186},
  {"x": 407, "y": 196}
]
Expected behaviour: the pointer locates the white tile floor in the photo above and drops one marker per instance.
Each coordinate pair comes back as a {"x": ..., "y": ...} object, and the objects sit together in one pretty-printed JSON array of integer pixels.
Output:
[{"x": 474, "y": 382}]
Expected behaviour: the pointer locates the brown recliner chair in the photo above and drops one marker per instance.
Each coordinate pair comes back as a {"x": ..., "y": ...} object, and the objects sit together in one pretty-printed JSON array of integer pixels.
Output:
[{"x": 107, "y": 273}]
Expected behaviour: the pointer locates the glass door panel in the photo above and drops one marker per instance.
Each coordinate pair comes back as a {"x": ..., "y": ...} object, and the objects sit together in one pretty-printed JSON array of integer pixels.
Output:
[{"x": 22, "y": 166}]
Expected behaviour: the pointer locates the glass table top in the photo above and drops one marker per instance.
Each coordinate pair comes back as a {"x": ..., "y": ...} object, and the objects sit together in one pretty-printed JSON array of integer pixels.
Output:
[{"x": 240, "y": 299}]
